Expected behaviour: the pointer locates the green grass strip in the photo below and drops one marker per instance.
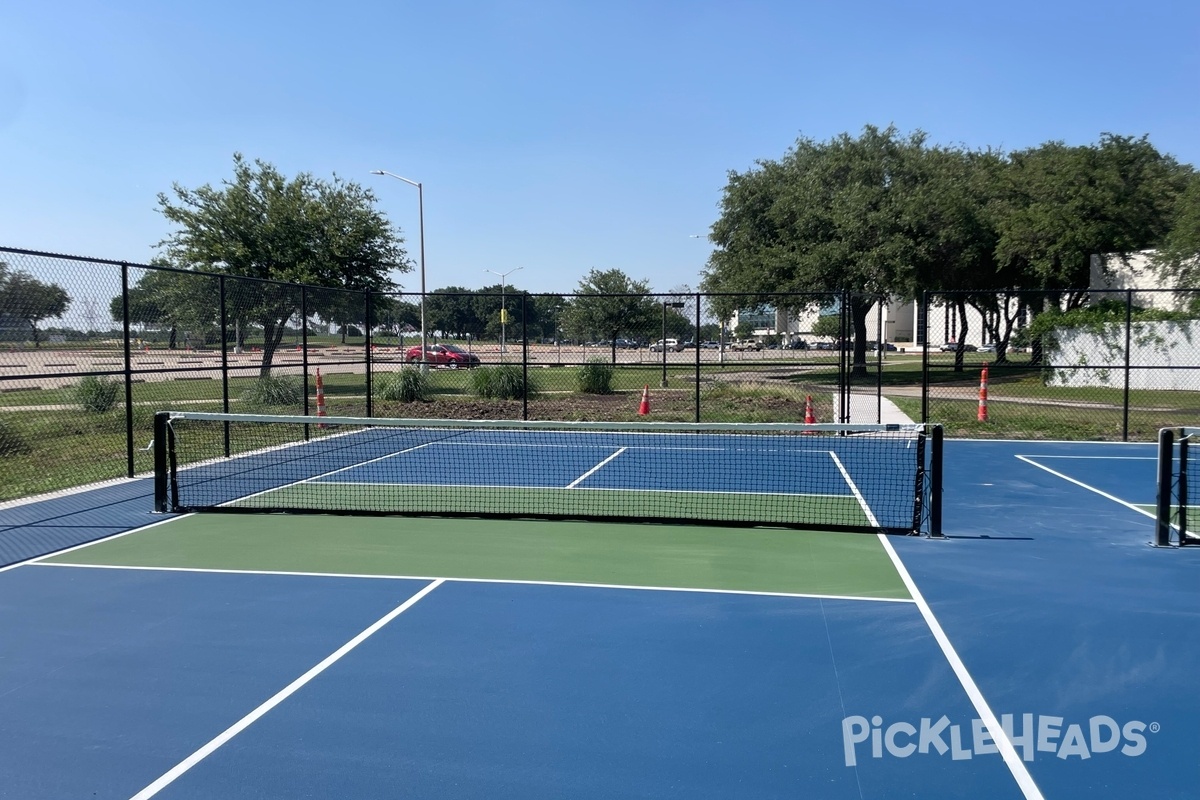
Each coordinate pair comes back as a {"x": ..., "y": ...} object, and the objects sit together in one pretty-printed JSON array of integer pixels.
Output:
[{"x": 740, "y": 559}]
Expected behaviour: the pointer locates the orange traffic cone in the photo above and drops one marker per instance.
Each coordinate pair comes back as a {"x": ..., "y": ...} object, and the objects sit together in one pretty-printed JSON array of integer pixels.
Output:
[
  {"x": 644, "y": 408},
  {"x": 983, "y": 381},
  {"x": 320, "y": 398},
  {"x": 809, "y": 416}
]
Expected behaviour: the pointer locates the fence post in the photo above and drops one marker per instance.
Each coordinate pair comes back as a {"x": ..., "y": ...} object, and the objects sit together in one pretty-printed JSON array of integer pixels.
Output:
[
  {"x": 369, "y": 363},
  {"x": 696, "y": 342},
  {"x": 843, "y": 358},
  {"x": 880, "y": 348},
  {"x": 129, "y": 466},
  {"x": 224, "y": 360},
  {"x": 1128, "y": 341},
  {"x": 304, "y": 348},
  {"x": 922, "y": 336},
  {"x": 524, "y": 356}
]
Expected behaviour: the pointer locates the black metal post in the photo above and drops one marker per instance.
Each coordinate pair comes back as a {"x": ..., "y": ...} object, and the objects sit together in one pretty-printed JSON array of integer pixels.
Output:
[
  {"x": 922, "y": 336},
  {"x": 368, "y": 363},
  {"x": 879, "y": 344},
  {"x": 129, "y": 465},
  {"x": 1128, "y": 341},
  {"x": 696, "y": 342},
  {"x": 159, "y": 445},
  {"x": 224, "y": 361},
  {"x": 1181, "y": 490},
  {"x": 1162, "y": 516},
  {"x": 935, "y": 482},
  {"x": 304, "y": 349},
  {"x": 524, "y": 358},
  {"x": 663, "y": 343}
]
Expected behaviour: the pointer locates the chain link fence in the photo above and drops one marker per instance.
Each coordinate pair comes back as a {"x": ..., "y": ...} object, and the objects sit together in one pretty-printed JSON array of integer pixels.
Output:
[{"x": 91, "y": 349}]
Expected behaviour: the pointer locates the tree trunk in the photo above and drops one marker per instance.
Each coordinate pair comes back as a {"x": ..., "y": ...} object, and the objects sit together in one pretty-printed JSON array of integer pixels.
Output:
[
  {"x": 860, "y": 307},
  {"x": 37, "y": 342},
  {"x": 960, "y": 307},
  {"x": 272, "y": 336}
]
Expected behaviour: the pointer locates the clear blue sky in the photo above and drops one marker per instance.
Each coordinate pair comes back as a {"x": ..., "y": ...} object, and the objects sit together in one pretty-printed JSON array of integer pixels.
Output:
[{"x": 551, "y": 136}]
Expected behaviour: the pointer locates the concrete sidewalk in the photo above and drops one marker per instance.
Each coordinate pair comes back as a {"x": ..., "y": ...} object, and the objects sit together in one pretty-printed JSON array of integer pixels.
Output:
[{"x": 866, "y": 408}]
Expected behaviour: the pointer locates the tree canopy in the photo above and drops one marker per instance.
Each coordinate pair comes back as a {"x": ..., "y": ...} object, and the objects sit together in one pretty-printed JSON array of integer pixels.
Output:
[
  {"x": 26, "y": 299},
  {"x": 885, "y": 214},
  {"x": 260, "y": 224},
  {"x": 609, "y": 305}
]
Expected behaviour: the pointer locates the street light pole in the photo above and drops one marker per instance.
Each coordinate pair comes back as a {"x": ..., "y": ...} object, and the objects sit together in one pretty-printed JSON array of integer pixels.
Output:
[
  {"x": 503, "y": 314},
  {"x": 421, "y": 228}
]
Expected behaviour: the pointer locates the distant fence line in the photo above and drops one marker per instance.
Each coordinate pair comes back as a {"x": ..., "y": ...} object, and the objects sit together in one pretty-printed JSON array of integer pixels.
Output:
[{"x": 94, "y": 346}]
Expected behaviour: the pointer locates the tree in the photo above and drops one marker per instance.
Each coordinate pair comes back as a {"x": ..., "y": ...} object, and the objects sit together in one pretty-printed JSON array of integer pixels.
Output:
[
  {"x": 456, "y": 312},
  {"x": 827, "y": 217},
  {"x": 26, "y": 299},
  {"x": 1178, "y": 257},
  {"x": 608, "y": 305},
  {"x": 169, "y": 299},
  {"x": 827, "y": 325},
  {"x": 262, "y": 225},
  {"x": 1060, "y": 205}
]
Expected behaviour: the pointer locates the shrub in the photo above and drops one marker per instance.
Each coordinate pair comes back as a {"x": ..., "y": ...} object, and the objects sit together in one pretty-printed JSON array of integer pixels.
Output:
[
  {"x": 97, "y": 395},
  {"x": 274, "y": 390},
  {"x": 409, "y": 385},
  {"x": 505, "y": 382},
  {"x": 11, "y": 440},
  {"x": 595, "y": 377}
]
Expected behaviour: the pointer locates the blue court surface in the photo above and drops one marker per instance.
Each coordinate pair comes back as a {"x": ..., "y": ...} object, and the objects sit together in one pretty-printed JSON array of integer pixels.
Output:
[{"x": 1042, "y": 649}]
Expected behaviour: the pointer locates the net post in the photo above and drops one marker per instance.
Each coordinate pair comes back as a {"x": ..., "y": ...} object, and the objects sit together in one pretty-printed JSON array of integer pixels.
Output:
[
  {"x": 160, "y": 461},
  {"x": 935, "y": 482},
  {"x": 1162, "y": 515},
  {"x": 1182, "y": 491}
]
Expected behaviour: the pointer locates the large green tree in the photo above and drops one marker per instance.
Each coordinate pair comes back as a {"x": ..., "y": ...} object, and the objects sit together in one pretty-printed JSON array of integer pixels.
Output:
[
  {"x": 28, "y": 300},
  {"x": 261, "y": 224},
  {"x": 1059, "y": 205},
  {"x": 827, "y": 217},
  {"x": 1178, "y": 257},
  {"x": 610, "y": 305}
]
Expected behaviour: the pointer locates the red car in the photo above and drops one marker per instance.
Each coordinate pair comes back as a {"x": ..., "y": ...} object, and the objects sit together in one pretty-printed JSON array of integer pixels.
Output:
[{"x": 446, "y": 355}]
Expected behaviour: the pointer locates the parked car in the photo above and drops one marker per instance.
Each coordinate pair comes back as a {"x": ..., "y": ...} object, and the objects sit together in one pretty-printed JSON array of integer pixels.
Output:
[
  {"x": 950, "y": 347},
  {"x": 822, "y": 346},
  {"x": 446, "y": 355},
  {"x": 986, "y": 348},
  {"x": 625, "y": 344},
  {"x": 670, "y": 345},
  {"x": 746, "y": 344},
  {"x": 710, "y": 345}
]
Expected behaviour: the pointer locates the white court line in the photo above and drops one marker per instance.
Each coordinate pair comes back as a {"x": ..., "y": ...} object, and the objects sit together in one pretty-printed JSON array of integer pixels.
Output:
[
  {"x": 73, "y": 548},
  {"x": 1104, "y": 458},
  {"x": 857, "y": 495},
  {"x": 594, "y": 469},
  {"x": 1015, "y": 765},
  {"x": 523, "y": 486},
  {"x": 1029, "y": 460},
  {"x": 570, "y": 584},
  {"x": 274, "y": 489},
  {"x": 204, "y": 752}
]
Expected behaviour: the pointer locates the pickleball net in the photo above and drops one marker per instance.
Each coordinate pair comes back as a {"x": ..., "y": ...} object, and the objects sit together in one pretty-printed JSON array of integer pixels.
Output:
[
  {"x": 828, "y": 476},
  {"x": 1177, "y": 520}
]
